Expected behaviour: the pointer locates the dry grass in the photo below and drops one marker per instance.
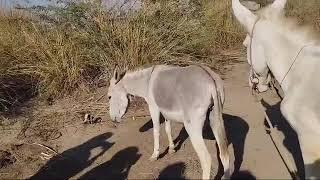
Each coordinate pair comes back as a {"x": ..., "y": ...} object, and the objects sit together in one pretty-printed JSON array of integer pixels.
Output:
[
  {"x": 306, "y": 11},
  {"x": 60, "y": 50},
  {"x": 76, "y": 45}
]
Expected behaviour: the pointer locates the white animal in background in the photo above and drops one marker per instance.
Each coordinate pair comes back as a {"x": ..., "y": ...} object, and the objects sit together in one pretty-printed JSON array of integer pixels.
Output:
[{"x": 291, "y": 53}]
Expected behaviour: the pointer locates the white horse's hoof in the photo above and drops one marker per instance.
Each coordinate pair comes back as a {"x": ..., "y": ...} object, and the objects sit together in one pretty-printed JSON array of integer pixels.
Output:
[{"x": 171, "y": 150}]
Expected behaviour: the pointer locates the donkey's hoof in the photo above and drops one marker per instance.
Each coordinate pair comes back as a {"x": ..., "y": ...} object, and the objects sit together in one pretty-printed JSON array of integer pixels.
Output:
[
  {"x": 171, "y": 150},
  {"x": 154, "y": 157},
  {"x": 226, "y": 175}
]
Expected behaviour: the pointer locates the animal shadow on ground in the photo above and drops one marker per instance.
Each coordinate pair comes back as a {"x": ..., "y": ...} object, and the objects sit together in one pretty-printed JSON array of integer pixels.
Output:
[
  {"x": 116, "y": 168},
  {"x": 74, "y": 160},
  {"x": 174, "y": 171},
  {"x": 290, "y": 141},
  {"x": 236, "y": 129},
  {"x": 245, "y": 175},
  {"x": 149, "y": 125}
]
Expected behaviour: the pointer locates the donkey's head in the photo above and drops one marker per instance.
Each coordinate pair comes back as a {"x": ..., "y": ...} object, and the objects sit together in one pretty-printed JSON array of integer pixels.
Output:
[
  {"x": 256, "y": 51},
  {"x": 118, "y": 96}
]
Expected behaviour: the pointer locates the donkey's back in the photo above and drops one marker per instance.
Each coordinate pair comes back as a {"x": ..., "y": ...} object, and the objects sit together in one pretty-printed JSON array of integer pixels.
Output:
[{"x": 179, "y": 90}]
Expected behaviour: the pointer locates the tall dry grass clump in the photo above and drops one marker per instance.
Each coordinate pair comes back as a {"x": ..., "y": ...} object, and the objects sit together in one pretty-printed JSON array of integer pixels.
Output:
[
  {"x": 306, "y": 11},
  {"x": 64, "y": 47}
]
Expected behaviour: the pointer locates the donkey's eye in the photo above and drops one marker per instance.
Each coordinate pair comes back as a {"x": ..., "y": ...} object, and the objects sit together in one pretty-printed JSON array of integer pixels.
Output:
[{"x": 109, "y": 97}]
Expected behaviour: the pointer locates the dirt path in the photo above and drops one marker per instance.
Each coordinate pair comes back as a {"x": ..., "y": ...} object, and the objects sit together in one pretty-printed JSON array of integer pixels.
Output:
[
  {"x": 260, "y": 157},
  {"x": 101, "y": 151}
]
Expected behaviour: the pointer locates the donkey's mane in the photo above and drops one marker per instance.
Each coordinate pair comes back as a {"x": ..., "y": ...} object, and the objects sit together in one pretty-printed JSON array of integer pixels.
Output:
[
  {"x": 137, "y": 71},
  {"x": 290, "y": 25}
]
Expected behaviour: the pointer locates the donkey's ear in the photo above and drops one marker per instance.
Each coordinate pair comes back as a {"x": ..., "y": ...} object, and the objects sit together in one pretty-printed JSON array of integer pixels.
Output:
[
  {"x": 121, "y": 75},
  {"x": 116, "y": 73}
]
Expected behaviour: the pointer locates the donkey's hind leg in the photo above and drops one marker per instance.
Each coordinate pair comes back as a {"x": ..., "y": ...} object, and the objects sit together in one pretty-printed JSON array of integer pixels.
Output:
[
  {"x": 194, "y": 129},
  {"x": 155, "y": 115},
  {"x": 168, "y": 131},
  {"x": 217, "y": 126}
]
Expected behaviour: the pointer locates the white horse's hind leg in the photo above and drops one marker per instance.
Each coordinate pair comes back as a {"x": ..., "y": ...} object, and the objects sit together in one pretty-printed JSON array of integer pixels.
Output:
[
  {"x": 155, "y": 115},
  {"x": 168, "y": 131},
  {"x": 195, "y": 133}
]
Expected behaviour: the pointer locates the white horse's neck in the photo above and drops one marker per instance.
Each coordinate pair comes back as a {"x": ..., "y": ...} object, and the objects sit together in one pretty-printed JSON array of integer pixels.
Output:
[
  {"x": 282, "y": 53},
  {"x": 279, "y": 62},
  {"x": 136, "y": 83}
]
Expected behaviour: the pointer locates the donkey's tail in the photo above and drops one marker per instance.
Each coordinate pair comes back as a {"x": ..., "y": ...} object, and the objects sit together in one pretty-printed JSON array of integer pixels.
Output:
[
  {"x": 218, "y": 127},
  {"x": 217, "y": 81},
  {"x": 216, "y": 119}
]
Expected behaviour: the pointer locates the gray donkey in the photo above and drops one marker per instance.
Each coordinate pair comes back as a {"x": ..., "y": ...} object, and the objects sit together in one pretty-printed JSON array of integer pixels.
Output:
[{"x": 184, "y": 94}]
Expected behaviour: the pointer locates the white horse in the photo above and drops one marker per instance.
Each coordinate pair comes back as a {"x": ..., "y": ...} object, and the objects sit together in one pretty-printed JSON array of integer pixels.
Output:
[
  {"x": 184, "y": 94},
  {"x": 291, "y": 53}
]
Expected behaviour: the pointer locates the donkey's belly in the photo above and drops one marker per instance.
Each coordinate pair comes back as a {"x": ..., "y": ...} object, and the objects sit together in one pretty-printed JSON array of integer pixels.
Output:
[{"x": 172, "y": 116}]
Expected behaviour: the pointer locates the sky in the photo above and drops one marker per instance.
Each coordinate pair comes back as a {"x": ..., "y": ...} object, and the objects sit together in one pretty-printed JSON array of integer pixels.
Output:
[
  {"x": 135, "y": 4},
  {"x": 12, "y": 3}
]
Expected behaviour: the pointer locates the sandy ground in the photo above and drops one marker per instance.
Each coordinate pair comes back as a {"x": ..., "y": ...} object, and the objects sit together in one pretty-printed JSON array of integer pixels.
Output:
[{"x": 105, "y": 152}]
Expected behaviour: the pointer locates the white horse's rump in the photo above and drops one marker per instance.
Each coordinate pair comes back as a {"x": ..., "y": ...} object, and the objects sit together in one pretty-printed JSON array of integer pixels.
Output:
[
  {"x": 184, "y": 94},
  {"x": 275, "y": 43}
]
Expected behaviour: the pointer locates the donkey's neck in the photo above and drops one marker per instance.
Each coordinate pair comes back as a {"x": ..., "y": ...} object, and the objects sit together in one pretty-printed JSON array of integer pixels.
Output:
[{"x": 137, "y": 83}]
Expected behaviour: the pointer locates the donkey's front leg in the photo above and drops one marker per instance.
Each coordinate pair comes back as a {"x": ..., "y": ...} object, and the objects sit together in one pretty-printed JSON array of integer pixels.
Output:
[
  {"x": 155, "y": 115},
  {"x": 168, "y": 131}
]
